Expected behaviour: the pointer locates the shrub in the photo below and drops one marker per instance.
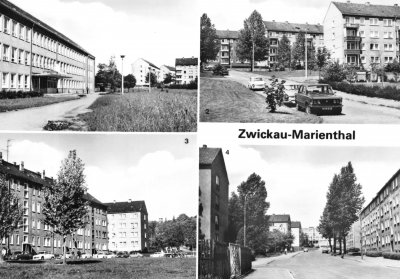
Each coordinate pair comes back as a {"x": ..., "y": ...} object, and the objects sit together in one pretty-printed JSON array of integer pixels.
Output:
[
  {"x": 391, "y": 255},
  {"x": 218, "y": 70},
  {"x": 373, "y": 254},
  {"x": 19, "y": 94},
  {"x": 334, "y": 72}
]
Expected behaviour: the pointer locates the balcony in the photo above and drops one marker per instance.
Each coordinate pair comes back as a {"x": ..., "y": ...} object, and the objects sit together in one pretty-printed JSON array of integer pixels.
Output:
[
  {"x": 352, "y": 38},
  {"x": 352, "y": 51},
  {"x": 351, "y": 25},
  {"x": 273, "y": 45}
]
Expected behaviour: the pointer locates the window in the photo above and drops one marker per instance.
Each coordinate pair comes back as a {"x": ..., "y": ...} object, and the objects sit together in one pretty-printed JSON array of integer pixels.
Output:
[
  {"x": 373, "y": 21},
  {"x": 216, "y": 202},
  {"x": 6, "y": 53},
  {"x": 362, "y": 20},
  {"x": 14, "y": 28},
  {"x": 5, "y": 80},
  {"x": 216, "y": 222},
  {"x": 351, "y": 59},
  {"x": 14, "y": 55},
  {"x": 350, "y": 19},
  {"x": 388, "y": 35},
  {"x": 38, "y": 225},
  {"x": 362, "y": 34},
  {"x": 26, "y": 224},
  {"x": 17, "y": 239},
  {"x": 33, "y": 206},
  {"x": 387, "y": 22},
  {"x": 374, "y": 47},
  {"x": 388, "y": 47},
  {"x": 374, "y": 34},
  {"x": 363, "y": 46},
  {"x": 6, "y": 25}
]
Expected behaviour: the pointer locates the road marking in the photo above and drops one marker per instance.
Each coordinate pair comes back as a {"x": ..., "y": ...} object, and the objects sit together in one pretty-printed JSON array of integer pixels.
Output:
[{"x": 291, "y": 276}]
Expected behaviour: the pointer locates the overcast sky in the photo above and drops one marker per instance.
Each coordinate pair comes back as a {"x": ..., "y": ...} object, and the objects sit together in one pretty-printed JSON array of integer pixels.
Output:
[
  {"x": 297, "y": 178},
  {"x": 226, "y": 14},
  {"x": 158, "y": 31},
  {"x": 160, "y": 169}
]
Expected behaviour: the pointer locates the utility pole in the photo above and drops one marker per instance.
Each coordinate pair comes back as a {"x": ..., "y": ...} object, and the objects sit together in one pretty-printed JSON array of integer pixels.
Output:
[
  {"x": 244, "y": 228},
  {"x": 122, "y": 85}
]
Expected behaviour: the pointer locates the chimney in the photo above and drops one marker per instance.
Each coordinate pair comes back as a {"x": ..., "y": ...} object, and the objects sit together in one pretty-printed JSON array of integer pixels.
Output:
[
  {"x": 21, "y": 168},
  {"x": 15, "y": 163},
  {"x": 43, "y": 174},
  {"x": 348, "y": 1},
  {"x": 396, "y": 5},
  {"x": 115, "y": 201},
  {"x": 204, "y": 146},
  {"x": 129, "y": 200},
  {"x": 367, "y": 4}
]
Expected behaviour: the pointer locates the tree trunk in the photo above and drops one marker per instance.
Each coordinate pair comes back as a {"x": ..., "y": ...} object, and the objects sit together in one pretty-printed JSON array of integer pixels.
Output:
[
  {"x": 334, "y": 243},
  {"x": 65, "y": 251},
  {"x": 340, "y": 244},
  {"x": 330, "y": 242},
  {"x": 1, "y": 258},
  {"x": 344, "y": 245}
]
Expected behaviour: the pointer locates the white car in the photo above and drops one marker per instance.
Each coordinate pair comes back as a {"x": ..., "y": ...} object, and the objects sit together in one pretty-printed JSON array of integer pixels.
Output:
[
  {"x": 86, "y": 256},
  {"x": 157, "y": 255},
  {"x": 110, "y": 255},
  {"x": 67, "y": 256},
  {"x": 290, "y": 92},
  {"x": 256, "y": 83},
  {"x": 99, "y": 256},
  {"x": 43, "y": 255}
]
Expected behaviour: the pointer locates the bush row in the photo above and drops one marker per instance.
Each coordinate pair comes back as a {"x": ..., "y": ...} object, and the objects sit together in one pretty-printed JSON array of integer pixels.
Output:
[
  {"x": 192, "y": 85},
  {"x": 373, "y": 254},
  {"x": 391, "y": 255},
  {"x": 387, "y": 92},
  {"x": 19, "y": 94}
]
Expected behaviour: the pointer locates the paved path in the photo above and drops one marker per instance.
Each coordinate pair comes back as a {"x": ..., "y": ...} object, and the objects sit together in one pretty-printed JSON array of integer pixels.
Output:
[
  {"x": 356, "y": 109},
  {"x": 34, "y": 119}
]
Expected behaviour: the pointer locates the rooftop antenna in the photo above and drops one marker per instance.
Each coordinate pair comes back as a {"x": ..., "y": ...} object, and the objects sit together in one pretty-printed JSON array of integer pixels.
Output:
[{"x": 8, "y": 148}]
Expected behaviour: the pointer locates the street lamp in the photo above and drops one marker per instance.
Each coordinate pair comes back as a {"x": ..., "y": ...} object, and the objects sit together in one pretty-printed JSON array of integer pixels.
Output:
[
  {"x": 244, "y": 228},
  {"x": 305, "y": 47},
  {"x": 122, "y": 87}
]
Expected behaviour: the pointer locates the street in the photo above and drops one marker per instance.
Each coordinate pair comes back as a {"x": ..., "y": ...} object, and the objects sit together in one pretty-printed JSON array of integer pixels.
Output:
[
  {"x": 354, "y": 112},
  {"x": 315, "y": 265},
  {"x": 34, "y": 119}
]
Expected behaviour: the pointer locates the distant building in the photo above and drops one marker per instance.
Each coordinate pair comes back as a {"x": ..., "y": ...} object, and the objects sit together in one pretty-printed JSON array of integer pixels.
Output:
[
  {"x": 296, "y": 232},
  {"x": 164, "y": 70},
  {"x": 36, "y": 57},
  {"x": 353, "y": 238},
  {"x": 34, "y": 235},
  {"x": 315, "y": 237},
  {"x": 141, "y": 69},
  {"x": 186, "y": 70},
  {"x": 214, "y": 187},
  {"x": 280, "y": 222},
  {"x": 127, "y": 226}
]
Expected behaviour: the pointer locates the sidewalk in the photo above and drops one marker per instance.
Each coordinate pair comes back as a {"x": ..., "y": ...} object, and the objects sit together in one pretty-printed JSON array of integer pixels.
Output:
[{"x": 378, "y": 261}]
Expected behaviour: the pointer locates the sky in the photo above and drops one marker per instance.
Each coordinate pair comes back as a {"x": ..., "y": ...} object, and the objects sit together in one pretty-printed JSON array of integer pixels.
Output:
[
  {"x": 160, "y": 169},
  {"x": 297, "y": 177},
  {"x": 226, "y": 14},
  {"x": 155, "y": 30}
]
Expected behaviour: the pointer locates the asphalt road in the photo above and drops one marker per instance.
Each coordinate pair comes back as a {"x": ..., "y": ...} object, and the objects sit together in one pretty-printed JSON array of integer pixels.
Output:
[
  {"x": 354, "y": 112},
  {"x": 315, "y": 265},
  {"x": 34, "y": 119}
]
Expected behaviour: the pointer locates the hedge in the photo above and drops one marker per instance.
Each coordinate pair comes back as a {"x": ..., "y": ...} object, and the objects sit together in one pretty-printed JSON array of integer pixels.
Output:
[
  {"x": 391, "y": 255},
  {"x": 19, "y": 94},
  {"x": 191, "y": 85},
  {"x": 373, "y": 254},
  {"x": 387, "y": 92}
]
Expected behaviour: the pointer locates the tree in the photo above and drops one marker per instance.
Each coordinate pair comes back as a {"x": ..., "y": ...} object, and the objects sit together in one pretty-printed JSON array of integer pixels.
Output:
[
  {"x": 189, "y": 227},
  {"x": 252, "y": 44},
  {"x": 334, "y": 72},
  {"x": 153, "y": 78},
  {"x": 209, "y": 41},
  {"x": 108, "y": 74},
  {"x": 322, "y": 58},
  {"x": 10, "y": 210},
  {"x": 169, "y": 78},
  {"x": 64, "y": 207},
  {"x": 129, "y": 81},
  {"x": 284, "y": 52},
  {"x": 298, "y": 49},
  {"x": 169, "y": 234},
  {"x": 394, "y": 67}
]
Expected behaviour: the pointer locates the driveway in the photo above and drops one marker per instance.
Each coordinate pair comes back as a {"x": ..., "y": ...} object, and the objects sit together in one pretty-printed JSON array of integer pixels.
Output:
[
  {"x": 34, "y": 119},
  {"x": 356, "y": 109}
]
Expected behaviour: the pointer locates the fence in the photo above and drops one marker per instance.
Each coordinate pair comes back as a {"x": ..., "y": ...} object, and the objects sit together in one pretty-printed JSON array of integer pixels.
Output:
[{"x": 223, "y": 261}]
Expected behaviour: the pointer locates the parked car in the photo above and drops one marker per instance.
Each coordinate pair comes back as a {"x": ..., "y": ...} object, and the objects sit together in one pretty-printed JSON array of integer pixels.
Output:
[
  {"x": 325, "y": 249},
  {"x": 67, "y": 256},
  {"x": 135, "y": 255},
  {"x": 318, "y": 98},
  {"x": 157, "y": 255},
  {"x": 44, "y": 255},
  {"x": 100, "y": 255},
  {"x": 86, "y": 256},
  {"x": 122, "y": 255},
  {"x": 305, "y": 249},
  {"x": 256, "y": 83},
  {"x": 14, "y": 255},
  {"x": 25, "y": 257},
  {"x": 290, "y": 93},
  {"x": 111, "y": 255}
]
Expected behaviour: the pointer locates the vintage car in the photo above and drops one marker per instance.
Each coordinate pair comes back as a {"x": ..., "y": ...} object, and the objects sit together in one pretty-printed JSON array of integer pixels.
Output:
[
  {"x": 290, "y": 93},
  {"x": 43, "y": 255},
  {"x": 157, "y": 255},
  {"x": 135, "y": 255},
  {"x": 256, "y": 83},
  {"x": 318, "y": 99},
  {"x": 325, "y": 249}
]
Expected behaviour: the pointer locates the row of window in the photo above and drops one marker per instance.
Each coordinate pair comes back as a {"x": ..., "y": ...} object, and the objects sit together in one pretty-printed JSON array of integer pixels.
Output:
[
  {"x": 372, "y": 21},
  {"x": 123, "y": 226},
  {"x": 131, "y": 234},
  {"x": 123, "y": 216},
  {"x": 123, "y": 244},
  {"x": 384, "y": 240},
  {"x": 22, "y": 32}
]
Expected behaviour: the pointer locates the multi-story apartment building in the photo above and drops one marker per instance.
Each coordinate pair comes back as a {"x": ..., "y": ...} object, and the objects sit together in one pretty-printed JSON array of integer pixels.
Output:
[
  {"x": 380, "y": 219},
  {"x": 214, "y": 187},
  {"x": 36, "y": 57},
  {"x": 34, "y": 235},
  {"x": 280, "y": 222},
  {"x": 315, "y": 237},
  {"x": 353, "y": 238},
  {"x": 186, "y": 70},
  {"x": 296, "y": 232},
  {"x": 164, "y": 70},
  {"x": 361, "y": 34},
  {"x": 141, "y": 69},
  {"x": 276, "y": 30},
  {"x": 127, "y": 226}
]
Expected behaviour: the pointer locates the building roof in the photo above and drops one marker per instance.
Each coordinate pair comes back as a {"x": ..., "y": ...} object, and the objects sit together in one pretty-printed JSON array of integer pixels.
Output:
[
  {"x": 208, "y": 155},
  {"x": 123, "y": 207},
  {"x": 227, "y": 34},
  {"x": 90, "y": 198},
  {"x": 151, "y": 64},
  {"x": 15, "y": 9},
  {"x": 169, "y": 68},
  {"x": 187, "y": 61},
  {"x": 296, "y": 224},
  {"x": 278, "y": 218},
  {"x": 367, "y": 10},
  {"x": 291, "y": 27}
]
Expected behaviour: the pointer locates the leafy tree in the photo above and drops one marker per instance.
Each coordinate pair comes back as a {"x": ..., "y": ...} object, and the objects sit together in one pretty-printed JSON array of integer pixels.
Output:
[
  {"x": 311, "y": 58},
  {"x": 153, "y": 78},
  {"x": 189, "y": 227},
  {"x": 298, "y": 49},
  {"x": 394, "y": 67},
  {"x": 209, "y": 41},
  {"x": 10, "y": 210},
  {"x": 325, "y": 227},
  {"x": 252, "y": 44},
  {"x": 170, "y": 234},
  {"x": 108, "y": 74},
  {"x": 169, "y": 78},
  {"x": 64, "y": 208},
  {"x": 334, "y": 72},
  {"x": 201, "y": 234},
  {"x": 279, "y": 240},
  {"x": 235, "y": 218},
  {"x": 129, "y": 81},
  {"x": 284, "y": 52},
  {"x": 322, "y": 59}
]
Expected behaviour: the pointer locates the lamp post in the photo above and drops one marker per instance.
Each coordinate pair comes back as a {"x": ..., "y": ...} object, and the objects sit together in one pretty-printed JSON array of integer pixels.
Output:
[
  {"x": 122, "y": 86},
  {"x": 244, "y": 228},
  {"x": 305, "y": 47},
  {"x": 149, "y": 79}
]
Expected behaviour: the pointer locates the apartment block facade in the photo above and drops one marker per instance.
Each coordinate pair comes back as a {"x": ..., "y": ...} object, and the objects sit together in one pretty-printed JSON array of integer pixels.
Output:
[
  {"x": 362, "y": 34},
  {"x": 127, "y": 226},
  {"x": 380, "y": 219},
  {"x": 34, "y": 235},
  {"x": 36, "y": 57},
  {"x": 315, "y": 237},
  {"x": 214, "y": 198},
  {"x": 353, "y": 238},
  {"x": 280, "y": 222},
  {"x": 164, "y": 70},
  {"x": 141, "y": 69},
  {"x": 296, "y": 232},
  {"x": 186, "y": 70}
]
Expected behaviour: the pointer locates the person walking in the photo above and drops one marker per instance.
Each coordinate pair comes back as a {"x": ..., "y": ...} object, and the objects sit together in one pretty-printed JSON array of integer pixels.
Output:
[{"x": 285, "y": 251}]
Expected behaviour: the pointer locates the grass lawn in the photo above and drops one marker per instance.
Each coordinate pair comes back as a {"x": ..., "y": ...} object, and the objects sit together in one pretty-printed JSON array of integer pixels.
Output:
[
  {"x": 16, "y": 104},
  {"x": 103, "y": 269},
  {"x": 175, "y": 111},
  {"x": 285, "y": 74},
  {"x": 229, "y": 101},
  {"x": 208, "y": 74}
]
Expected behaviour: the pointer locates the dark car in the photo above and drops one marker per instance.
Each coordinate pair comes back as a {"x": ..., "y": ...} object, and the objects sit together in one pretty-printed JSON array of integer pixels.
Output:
[
  {"x": 14, "y": 255},
  {"x": 318, "y": 99},
  {"x": 24, "y": 257},
  {"x": 122, "y": 255}
]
